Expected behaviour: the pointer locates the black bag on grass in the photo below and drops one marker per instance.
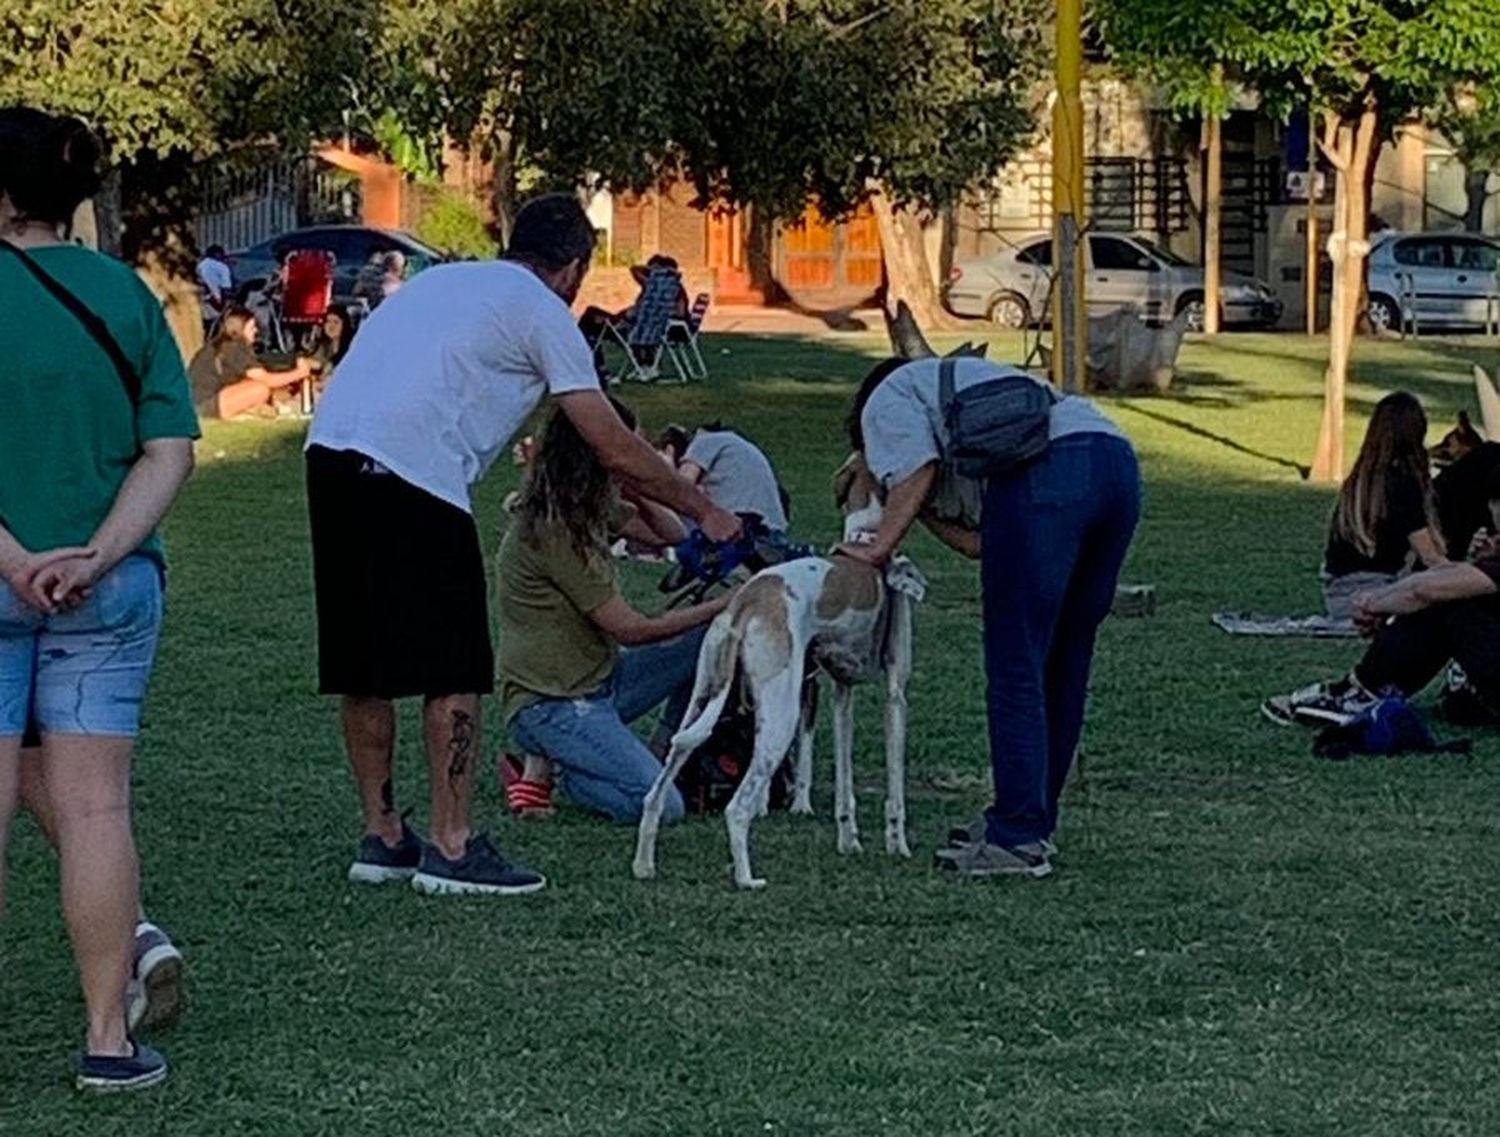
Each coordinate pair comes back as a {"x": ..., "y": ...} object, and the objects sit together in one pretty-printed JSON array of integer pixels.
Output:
[{"x": 715, "y": 770}]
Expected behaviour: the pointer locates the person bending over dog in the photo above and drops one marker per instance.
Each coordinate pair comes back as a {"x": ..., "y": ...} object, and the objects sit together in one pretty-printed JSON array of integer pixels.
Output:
[
  {"x": 567, "y": 689},
  {"x": 1385, "y": 518},
  {"x": 1050, "y": 537},
  {"x": 1418, "y": 625}
]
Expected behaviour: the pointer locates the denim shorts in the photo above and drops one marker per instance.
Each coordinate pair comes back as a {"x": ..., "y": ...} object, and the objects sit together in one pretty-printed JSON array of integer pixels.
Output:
[{"x": 84, "y": 671}]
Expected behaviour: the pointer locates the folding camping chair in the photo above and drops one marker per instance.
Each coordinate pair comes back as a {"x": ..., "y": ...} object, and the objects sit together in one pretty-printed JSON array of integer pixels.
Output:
[
  {"x": 682, "y": 338},
  {"x": 643, "y": 336}
]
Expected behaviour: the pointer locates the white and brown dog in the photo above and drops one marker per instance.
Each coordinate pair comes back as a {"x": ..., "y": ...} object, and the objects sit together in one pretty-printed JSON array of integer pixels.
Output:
[{"x": 853, "y": 623}]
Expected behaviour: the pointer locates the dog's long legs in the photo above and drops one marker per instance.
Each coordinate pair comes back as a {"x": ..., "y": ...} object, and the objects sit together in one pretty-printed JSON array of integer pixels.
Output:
[
  {"x": 775, "y": 727},
  {"x": 844, "y": 809},
  {"x": 802, "y": 796},
  {"x": 711, "y": 689},
  {"x": 897, "y": 672}
]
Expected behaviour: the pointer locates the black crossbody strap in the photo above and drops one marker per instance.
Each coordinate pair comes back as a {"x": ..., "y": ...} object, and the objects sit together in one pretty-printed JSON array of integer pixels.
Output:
[{"x": 91, "y": 323}]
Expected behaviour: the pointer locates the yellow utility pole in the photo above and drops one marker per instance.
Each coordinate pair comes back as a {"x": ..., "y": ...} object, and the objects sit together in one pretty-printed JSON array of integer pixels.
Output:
[
  {"x": 1311, "y": 283},
  {"x": 1213, "y": 221},
  {"x": 1069, "y": 315}
]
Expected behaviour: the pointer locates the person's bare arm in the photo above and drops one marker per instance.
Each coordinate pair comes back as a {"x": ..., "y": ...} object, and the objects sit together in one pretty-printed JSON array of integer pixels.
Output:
[
  {"x": 956, "y": 537},
  {"x": 692, "y": 472},
  {"x": 279, "y": 378},
  {"x": 902, "y": 506},
  {"x": 1442, "y": 585},
  {"x": 631, "y": 459},
  {"x": 143, "y": 500},
  {"x": 1429, "y": 550},
  {"x": 653, "y": 523},
  {"x": 622, "y": 623}
]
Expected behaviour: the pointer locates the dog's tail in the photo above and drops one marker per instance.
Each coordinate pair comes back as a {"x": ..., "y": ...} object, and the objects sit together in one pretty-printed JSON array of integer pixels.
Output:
[{"x": 717, "y": 663}]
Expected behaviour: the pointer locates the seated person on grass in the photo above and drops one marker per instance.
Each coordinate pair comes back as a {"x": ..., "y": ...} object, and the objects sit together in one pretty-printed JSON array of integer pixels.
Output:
[
  {"x": 1418, "y": 625},
  {"x": 576, "y": 662},
  {"x": 1385, "y": 520},
  {"x": 229, "y": 379},
  {"x": 734, "y": 472}
]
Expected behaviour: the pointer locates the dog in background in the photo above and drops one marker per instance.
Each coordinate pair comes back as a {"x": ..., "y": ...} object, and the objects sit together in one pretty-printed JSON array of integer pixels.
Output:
[{"x": 837, "y": 615}]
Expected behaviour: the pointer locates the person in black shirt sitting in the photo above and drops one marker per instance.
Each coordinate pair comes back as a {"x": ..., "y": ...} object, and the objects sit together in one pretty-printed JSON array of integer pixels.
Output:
[{"x": 1385, "y": 518}]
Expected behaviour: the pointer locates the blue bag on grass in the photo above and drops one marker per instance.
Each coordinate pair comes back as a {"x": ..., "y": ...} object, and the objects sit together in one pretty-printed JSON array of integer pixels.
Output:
[{"x": 1391, "y": 726}]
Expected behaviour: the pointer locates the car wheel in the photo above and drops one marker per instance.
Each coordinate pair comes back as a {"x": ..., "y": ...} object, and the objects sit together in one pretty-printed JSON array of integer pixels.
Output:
[
  {"x": 1010, "y": 311},
  {"x": 1385, "y": 316},
  {"x": 1193, "y": 306}
]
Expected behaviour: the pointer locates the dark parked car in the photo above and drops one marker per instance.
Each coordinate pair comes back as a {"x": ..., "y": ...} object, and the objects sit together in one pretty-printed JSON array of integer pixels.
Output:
[{"x": 354, "y": 247}]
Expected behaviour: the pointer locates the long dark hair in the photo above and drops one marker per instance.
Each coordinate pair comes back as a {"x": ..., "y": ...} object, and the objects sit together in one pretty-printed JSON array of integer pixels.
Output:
[
  {"x": 231, "y": 327},
  {"x": 49, "y": 164},
  {"x": 1395, "y": 442},
  {"x": 568, "y": 486}
]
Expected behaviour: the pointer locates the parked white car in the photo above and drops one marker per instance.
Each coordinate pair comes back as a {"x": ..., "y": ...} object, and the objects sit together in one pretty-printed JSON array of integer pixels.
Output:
[
  {"x": 1448, "y": 280},
  {"x": 1010, "y": 287}
]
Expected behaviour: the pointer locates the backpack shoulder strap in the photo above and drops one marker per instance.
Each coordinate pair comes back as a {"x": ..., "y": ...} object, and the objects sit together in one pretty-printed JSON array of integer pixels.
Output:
[
  {"x": 92, "y": 324},
  {"x": 947, "y": 388}
]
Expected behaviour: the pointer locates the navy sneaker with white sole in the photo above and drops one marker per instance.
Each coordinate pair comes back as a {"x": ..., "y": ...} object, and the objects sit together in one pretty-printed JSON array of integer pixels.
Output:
[
  {"x": 481, "y": 871},
  {"x": 105, "y": 1074},
  {"x": 375, "y": 862},
  {"x": 154, "y": 996}
]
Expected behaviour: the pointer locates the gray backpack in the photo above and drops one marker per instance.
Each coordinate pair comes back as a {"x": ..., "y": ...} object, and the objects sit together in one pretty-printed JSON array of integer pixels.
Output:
[{"x": 994, "y": 428}]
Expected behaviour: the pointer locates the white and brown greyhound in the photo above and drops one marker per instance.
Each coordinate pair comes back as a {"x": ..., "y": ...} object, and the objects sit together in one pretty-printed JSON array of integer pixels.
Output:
[{"x": 852, "y": 623}]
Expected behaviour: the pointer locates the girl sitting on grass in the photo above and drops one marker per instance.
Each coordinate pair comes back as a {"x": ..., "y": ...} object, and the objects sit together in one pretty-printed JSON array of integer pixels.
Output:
[
  {"x": 228, "y": 377},
  {"x": 1384, "y": 523}
]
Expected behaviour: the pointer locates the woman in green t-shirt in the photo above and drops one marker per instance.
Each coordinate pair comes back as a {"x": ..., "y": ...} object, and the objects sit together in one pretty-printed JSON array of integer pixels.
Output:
[
  {"x": 95, "y": 442},
  {"x": 577, "y": 663}
]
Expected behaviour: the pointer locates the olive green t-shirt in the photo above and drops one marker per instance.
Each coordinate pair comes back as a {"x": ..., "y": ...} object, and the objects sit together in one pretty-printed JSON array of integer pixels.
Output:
[
  {"x": 68, "y": 433},
  {"x": 549, "y": 648}
]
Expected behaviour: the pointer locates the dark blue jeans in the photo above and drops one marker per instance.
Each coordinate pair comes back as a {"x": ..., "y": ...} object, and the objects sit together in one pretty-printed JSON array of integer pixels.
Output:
[{"x": 1053, "y": 539}]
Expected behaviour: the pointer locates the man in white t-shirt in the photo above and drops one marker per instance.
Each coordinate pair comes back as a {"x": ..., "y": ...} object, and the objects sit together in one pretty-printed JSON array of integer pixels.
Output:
[
  {"x": 215, "y": 282},
  {"x": 436, "y": 383}
]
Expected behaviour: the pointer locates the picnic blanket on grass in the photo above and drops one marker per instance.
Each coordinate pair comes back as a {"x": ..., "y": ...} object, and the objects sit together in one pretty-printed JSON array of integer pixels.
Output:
[{"x": 1305, "y": 627}]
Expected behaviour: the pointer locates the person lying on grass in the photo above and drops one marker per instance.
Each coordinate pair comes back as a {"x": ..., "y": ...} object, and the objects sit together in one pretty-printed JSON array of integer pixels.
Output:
[
  {"x": 1418, "y": 626},
  {"x": 229, "y": 379},
  {"x": 1385, "y": 521},
  {"x": 576, "y": 662}
]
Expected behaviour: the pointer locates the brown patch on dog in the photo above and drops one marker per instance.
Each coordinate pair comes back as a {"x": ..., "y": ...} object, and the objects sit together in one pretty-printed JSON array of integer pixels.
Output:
[
  {"x": 853, "y": 484},
  {"x": 764, "y": 600},
  {"x": 851, "y": 584},
  {"x": 1462, "y": 439}
]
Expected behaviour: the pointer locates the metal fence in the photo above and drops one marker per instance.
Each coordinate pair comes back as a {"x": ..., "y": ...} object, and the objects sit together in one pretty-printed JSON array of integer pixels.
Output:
[
  {"x": 242, "y": 205},
  {"x": 1122, "y": 195}
]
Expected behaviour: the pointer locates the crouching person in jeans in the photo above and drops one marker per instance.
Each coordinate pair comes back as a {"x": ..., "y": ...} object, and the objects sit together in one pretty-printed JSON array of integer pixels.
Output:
[
  {"x": 567, "y": 688},
  {"x": 1050, "y": 539}
]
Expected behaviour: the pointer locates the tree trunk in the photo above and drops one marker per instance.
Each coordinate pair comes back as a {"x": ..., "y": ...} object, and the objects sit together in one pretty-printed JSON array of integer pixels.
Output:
[
  {"x": 507, "y": 193},
  {"x": 908, "y": 269},
  {"x": 1476, "y": 197},
  {"x": 1352, "y": 147},
  {"x": 157, "y": 196}
]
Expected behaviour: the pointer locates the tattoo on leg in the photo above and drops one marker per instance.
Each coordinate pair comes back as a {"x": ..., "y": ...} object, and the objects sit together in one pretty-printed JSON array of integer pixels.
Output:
[
  {"x": 387, "y": 798},
  {"x": 460, "y": 747}
]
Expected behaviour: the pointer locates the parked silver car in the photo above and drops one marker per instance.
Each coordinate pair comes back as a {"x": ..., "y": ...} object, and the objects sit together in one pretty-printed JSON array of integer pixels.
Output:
[
  {"x": 1448, "y": 280},
  {"x": 1010, "y": 288}
]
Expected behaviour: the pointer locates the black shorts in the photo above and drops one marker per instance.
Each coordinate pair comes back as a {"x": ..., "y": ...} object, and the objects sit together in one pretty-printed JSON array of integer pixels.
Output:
[{"x": 399, "y": 580}]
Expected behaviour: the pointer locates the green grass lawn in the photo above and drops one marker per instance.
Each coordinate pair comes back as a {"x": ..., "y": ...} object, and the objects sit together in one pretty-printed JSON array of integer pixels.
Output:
[{"x": 1239, "y": 939}]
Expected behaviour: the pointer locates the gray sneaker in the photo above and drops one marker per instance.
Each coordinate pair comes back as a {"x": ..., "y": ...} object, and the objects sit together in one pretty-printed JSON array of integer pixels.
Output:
[
  {"x": 974, "y": 833},
  {"x": 985, "y": 859},
  {"x": 154, "y": 998},
  {"x": 1336, "y": 703}
]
